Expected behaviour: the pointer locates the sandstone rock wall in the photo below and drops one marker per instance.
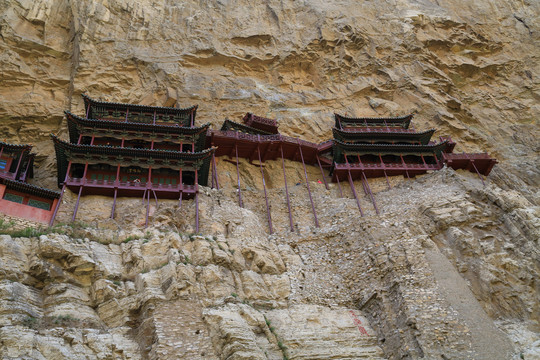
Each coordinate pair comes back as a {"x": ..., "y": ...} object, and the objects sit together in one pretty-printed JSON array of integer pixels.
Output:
[{"x": 448, "y": 270}]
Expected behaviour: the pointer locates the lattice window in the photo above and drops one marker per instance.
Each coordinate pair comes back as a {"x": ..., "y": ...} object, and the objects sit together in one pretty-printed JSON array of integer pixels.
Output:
[
  {"x": 39, "y": 204},
  {"x": 12, "y": 197}
]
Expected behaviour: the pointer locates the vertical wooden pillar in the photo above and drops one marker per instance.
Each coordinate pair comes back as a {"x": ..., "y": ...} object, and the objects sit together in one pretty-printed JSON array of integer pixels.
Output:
[
  {"x": 18, "y": 165},
  {"x": 196, "y": 201},
  {"x": 286, "y": 188},
  {"x": 214, "y": 170},
  {"x": 384, "y": 170},
  {"x": 405, "y": 166},
  {"x": 307, "y": 183},
  {"x": 154, "y": 122},
  {"x": 127, "y": 113},
  {"x": 147, "y": 209},
  {"x": 238, "y": 173},
  {"x": 88, "y": 110},
  {"x": 264, "y": 187}
]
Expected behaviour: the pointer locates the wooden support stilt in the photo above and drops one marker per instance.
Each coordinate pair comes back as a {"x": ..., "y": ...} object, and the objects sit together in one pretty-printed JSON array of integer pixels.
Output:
[
  {"x": 114, "y": 203},
  {"x": 155, "y": 197},
  {"x": 238, "y": 175},
  {"x": 405, "y": 166},
  {"x": 180, "y": 199},
  {"x": 147, "y": 209},
  {"x": 77, "y": 204},
  {"x": 322, "y": 173},
  {"x": 127, "y": 113},
  {"x": 196, "y": 200},
  {"x": 57, "y": 205},
  {"x": 370, "y": 193},
  {"x": 339, "y": 185},
  {"x": 264, "y": 187},
  {"x": 286, "y": 188},
  {"x": 351, "y": 183},
  {"x": 362, "y": 166},
  {"x": 384, "y": 170},
  {"x": 61, "y": 195},
  {"x": 215, "y": 170},
  {"x": 307, "y": 183},
  {"x": 197, "y": 212},
  {"x": 478, "y": 173}
]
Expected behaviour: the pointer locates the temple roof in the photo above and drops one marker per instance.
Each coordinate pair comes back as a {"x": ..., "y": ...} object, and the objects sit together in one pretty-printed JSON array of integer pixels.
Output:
[
  {"x": 30, "y": 189},
  {"x": 15, "y": 147},
  {"x": 123, "y": 106},
  {"x": 261, "y": 123},
  {"x": 341, "y": 148},
  {"x": 387, "y": 136},
  {"x": 231, "y": 125},
  {"x": 66, "y": 151},
  {"x": 403, "y": 121},
  {"x": 76, "y": 122}
]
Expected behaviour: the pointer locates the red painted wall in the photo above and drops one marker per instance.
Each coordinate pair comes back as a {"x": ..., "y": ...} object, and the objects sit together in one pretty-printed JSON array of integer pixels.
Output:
[{"x": 24, "y": 211}]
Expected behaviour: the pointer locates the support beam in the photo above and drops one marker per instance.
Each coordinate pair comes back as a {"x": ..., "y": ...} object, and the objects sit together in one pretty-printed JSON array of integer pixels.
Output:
[
  {"x": 18, "y": 165},
  {"x": 286, "y": 188},
  {"x": 384, "y": 170},
  {"x": 127, "y": 113},
  {"x": 215, "y": 170},
  {"x": 370, "y": 193},
  {"x": 196, "y": 201},
  {"x": 147, "y": 210},
  {"x": 477, "y": 172},
  {"x": 180, "y": 199},
  {"x": 114, "y": 202},
  {"x": 238, "y": 175},
  {"x": 155, "y": 197},
  {"x": 322, "y": 172},
  {"x": 351, "y": 183},
  {"x": 264, "y": 187},
  {"x": 405, "y": 166},
  {"x": 339, "y": 184},
  {"x": 61, "y": 195},
  {"x": 77, "y": 204},
  {"x": 88, "y": 110},
  {"x": 362, "y": 166},
  {"x": 307, "y": 183}
]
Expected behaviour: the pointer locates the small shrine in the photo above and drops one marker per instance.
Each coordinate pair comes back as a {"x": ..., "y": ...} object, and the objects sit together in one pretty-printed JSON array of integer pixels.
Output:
[
  {"x": 131, "y": 150},
  {"x": 18, "y": 198}
]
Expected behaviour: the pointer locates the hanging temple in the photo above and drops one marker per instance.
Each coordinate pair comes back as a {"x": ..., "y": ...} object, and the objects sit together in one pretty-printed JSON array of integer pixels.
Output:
[{"x": 152, "y": 152}]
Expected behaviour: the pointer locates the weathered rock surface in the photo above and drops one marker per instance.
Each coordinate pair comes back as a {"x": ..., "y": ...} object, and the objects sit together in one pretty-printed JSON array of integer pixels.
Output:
[
  {"x": 434, "y": 275},
  {"x": 448, "y": 270}
]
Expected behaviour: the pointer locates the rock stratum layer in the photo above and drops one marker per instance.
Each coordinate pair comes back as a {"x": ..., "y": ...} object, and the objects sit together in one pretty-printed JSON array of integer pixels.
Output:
[{"x": 449, "y": 270}]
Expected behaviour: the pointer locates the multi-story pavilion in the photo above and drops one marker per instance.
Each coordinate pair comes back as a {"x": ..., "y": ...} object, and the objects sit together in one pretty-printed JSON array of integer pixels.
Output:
[
  {"x": 133, "y": 150},
  {"x": 17, "y": 197}
]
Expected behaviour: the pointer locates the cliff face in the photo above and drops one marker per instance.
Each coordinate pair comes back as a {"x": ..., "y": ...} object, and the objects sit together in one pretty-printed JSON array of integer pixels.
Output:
[{"x": 445, "y": 263}]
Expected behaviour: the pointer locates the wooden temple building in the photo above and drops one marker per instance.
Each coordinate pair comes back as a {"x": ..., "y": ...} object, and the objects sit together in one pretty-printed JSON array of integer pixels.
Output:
[
  {"x": 133, "y": 151},
  {"x": 152, "y": 152},
  {"x": 18, "y": 198}
]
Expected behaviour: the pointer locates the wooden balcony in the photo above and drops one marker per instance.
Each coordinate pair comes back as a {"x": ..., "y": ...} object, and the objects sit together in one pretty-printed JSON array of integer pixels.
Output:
[
  {"x": 130, "y": 188},
  {"x": 372, "y": 170}
]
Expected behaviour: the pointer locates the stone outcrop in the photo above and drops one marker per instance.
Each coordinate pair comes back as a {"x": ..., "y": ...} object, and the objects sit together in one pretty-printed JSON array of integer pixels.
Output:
[{"x": 434, "y": 275}]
